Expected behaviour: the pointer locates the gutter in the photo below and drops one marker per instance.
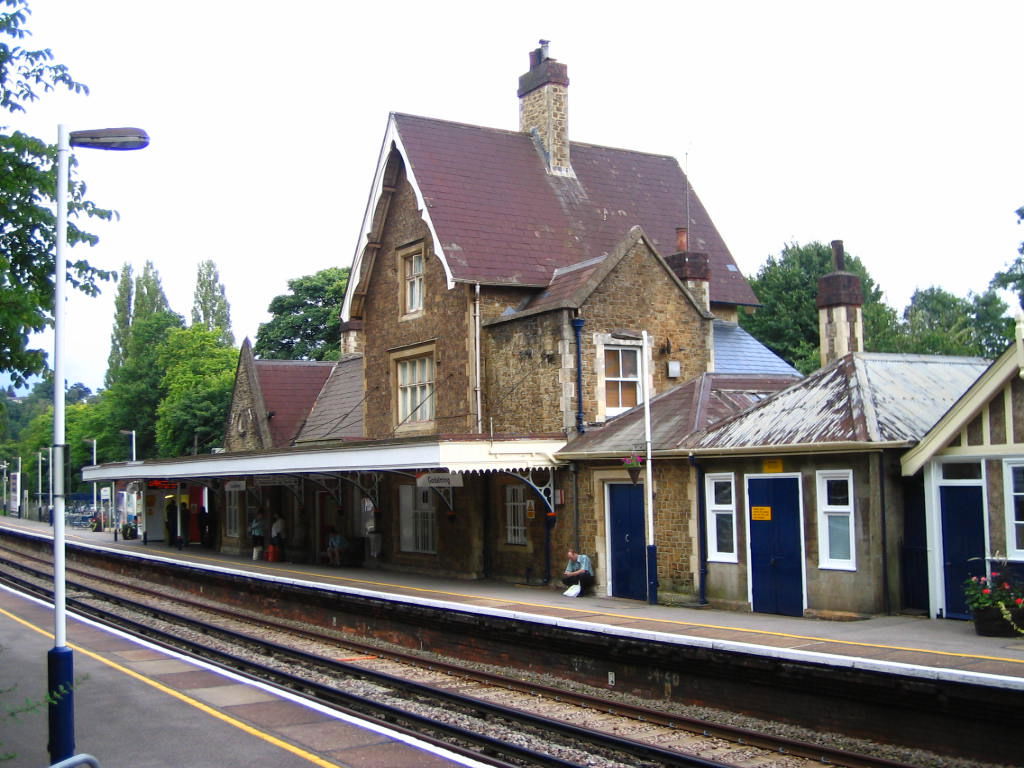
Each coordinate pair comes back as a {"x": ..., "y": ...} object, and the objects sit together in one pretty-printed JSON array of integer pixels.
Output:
[{"x": 702, "y": 537}]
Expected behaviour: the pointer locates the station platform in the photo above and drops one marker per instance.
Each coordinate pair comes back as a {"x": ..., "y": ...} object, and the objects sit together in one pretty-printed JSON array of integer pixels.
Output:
[
  {"x": 906, "y": 645},
  {"x": 140, "y": 705}
]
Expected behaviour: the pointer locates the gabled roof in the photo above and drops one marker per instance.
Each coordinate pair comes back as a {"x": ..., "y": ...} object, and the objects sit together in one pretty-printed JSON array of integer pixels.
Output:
[
  {"x": 736, "y": 351},
  {"x": 675, "y": 414},
  {"x": 289, "y": 389},
  {"x": 338, "y": 411},
  {"x": 498, "y": 218},
  {"x": 998, "y": 377},
  {"x": 861, "y": 400}
]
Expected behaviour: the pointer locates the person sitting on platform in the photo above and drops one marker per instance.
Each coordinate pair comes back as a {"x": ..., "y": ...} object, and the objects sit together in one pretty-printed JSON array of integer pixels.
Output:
[
  {"x": 578, "y": 571},
  {"x": 336, "y": 546}
]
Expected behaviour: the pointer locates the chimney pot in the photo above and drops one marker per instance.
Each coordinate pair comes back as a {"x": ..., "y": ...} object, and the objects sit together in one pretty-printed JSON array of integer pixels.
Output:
[
  {"x": 838, "y": 259},
  {"x": 682, "y": 240}
]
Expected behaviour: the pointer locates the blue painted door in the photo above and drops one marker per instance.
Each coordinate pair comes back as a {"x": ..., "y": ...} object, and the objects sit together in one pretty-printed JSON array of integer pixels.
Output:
[
  {"x": 626, "y": 536},
  {"x": 963, "y": 543},
  {"x": 776, "y": 561}
]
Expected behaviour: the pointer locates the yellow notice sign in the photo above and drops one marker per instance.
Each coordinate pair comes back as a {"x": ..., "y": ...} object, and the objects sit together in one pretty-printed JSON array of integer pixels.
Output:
[
  {"x": 760, "y": 513},
  {"x": 771, "y": 465}
]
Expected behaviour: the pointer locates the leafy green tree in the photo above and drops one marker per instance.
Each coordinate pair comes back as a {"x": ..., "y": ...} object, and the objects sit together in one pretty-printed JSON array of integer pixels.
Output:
[
  {"x": 27, "y": 199},
  {"x": 938, "y": 323},
  {"x": 210, "y": 308},
  {"x": 199, "y": 376},
  {"x": 787, "y": 286},
  {"x": 1012, "y": 278},
  {"x": 306, "y": 323},
  {"x": 134, "y": 397},
  {"x": 149, "y": 298},
  {"x": 122, "y": 324}
]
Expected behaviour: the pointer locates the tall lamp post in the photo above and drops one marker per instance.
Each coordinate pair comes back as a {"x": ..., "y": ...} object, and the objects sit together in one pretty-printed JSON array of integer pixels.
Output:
[
  {"x": 93, "y": 441},
  {"x": 39, "y": 484},
  {"x": 60, "y": 663},
  {"x": 132, "y": 433}
]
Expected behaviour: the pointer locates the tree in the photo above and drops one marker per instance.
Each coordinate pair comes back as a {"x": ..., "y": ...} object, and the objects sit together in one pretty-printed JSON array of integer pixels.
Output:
[
  {"x": 1012, "y": 278},
  {"x": 306, "y": 324},
  {"x": 199, "y": 376},
  {"x": 787, "y": 286},
  {"x": 134, "y": 397},
  {"x": 210, "y": 308},
  {"x": 938, "y": 323},
  {"x": 149, "y": 298},
  {"x": 122, "y": 324},
  {"x": 27, "y": 197}
]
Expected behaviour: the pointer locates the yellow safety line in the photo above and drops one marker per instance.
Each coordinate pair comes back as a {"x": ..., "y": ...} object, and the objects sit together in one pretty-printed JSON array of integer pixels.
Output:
[
  {"x": 677, "y": 622},
  {"x": 297, "y": 751}
]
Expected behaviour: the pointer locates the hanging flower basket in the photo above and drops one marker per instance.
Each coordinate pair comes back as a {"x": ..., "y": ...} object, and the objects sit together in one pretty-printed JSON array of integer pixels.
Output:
[{"x": 633, "y": 464}]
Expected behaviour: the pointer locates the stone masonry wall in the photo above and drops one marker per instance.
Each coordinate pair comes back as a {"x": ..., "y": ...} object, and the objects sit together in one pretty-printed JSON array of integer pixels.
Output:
[
  {"x": 444, "y": 321},
  {"x": 639, "y": 295}
]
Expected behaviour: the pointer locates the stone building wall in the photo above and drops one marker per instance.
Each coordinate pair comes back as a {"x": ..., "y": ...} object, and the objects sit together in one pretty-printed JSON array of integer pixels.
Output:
[{"x": 444, "y": 322}]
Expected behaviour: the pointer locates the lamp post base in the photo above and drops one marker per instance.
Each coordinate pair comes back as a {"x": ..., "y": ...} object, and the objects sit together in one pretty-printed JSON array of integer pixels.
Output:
[{"x": 60, "y": 696}]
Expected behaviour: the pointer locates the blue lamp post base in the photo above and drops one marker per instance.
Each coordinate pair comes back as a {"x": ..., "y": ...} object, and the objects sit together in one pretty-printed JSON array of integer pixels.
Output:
[{"x": 60, "y": 695}]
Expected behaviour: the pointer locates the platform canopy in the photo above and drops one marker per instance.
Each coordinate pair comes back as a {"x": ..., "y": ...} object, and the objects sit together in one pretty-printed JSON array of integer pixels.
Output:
[{"x": 456, "y": 455}]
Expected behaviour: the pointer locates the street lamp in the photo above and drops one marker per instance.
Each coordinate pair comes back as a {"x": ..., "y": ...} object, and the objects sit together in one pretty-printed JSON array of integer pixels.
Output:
[
  {"x": 39, "y": 484},
  {"x": 132, "y": 433},
  {"x": 93, "y": 441},
  {"x": 60, "y": 664}
]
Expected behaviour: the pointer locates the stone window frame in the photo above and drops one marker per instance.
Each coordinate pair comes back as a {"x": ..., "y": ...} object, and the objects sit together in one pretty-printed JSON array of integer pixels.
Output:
[
  {"x": 1014, "y": 497},
  {"x": 715, "y": 511},
  {"x": 602, "y": 343},
  {"x": 398, "y": 359},
  {"x": 412, "y": 282},
  {"x": 832, "y": 511}
]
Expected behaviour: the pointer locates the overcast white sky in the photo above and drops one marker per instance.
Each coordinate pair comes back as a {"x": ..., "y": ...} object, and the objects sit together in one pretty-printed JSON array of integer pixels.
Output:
[{"x": 894, "y": 126}]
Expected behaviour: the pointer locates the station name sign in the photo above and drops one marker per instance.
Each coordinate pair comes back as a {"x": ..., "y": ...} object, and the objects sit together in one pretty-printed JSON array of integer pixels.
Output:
[{"x": 438, "y": 480}]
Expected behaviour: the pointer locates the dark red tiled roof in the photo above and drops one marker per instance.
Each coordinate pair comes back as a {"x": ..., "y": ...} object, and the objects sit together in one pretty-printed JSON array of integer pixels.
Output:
[
  {"x": 501, "y": 219},
  {"x": 290, "y": 388}
]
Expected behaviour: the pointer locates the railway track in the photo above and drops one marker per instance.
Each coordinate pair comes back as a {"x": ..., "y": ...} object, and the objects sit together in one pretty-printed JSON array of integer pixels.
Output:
[{"x": 618, "y": 733}]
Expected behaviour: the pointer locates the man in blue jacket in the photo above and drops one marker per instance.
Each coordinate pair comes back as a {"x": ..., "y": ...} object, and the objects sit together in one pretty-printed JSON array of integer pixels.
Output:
[{"x": 578, "y": 571}]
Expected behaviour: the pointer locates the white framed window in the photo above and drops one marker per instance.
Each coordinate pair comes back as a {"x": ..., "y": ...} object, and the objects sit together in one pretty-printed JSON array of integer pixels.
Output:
[
  {"x": 415, "y": 377},
  {"x": 835, "y": 520},
  {"x": 622, "y": 389},
  {"x": 515, "y": 514},
  {"x": 417, "y": 520},
  {"x": 1013, "y": 479},
  {"x": 232, "y": 514},
  {"x": 720, "y": 504},
  {"x": 412, "y": 272}
]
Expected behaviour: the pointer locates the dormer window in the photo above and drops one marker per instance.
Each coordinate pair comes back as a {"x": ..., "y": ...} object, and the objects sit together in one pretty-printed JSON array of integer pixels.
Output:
[{"x": 412, "y": 272}]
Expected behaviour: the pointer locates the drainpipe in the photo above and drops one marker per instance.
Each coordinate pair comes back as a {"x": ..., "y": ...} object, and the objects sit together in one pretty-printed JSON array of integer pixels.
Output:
[
  {"x": 885, "y": 534},
  {"x": 577, "y": 325},
  {"x": 652, "y": 547},
  {"x": 476, "y": 342},
  {"x": 702, "y": 535}
]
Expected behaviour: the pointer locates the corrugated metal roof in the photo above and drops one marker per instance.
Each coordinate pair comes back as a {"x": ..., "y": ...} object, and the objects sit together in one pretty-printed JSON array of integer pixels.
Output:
[
  {"x": 861, "y": 398},
  {"x": 677, "y": 413}
]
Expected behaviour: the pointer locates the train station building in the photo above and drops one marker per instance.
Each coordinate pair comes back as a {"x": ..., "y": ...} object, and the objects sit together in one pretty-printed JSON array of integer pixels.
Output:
[{"x": 528, "y": 321}]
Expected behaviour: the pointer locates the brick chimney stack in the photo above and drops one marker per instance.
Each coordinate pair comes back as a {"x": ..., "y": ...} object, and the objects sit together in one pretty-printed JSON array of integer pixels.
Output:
[
  {"x": 840, "y": 297},
  {"x": 692, "y": 267},
  {"x": 544, "y": 108}
]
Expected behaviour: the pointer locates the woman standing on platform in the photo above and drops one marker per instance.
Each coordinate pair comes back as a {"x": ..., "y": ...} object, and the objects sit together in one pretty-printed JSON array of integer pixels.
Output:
[{"x": 278, "y": 535}]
